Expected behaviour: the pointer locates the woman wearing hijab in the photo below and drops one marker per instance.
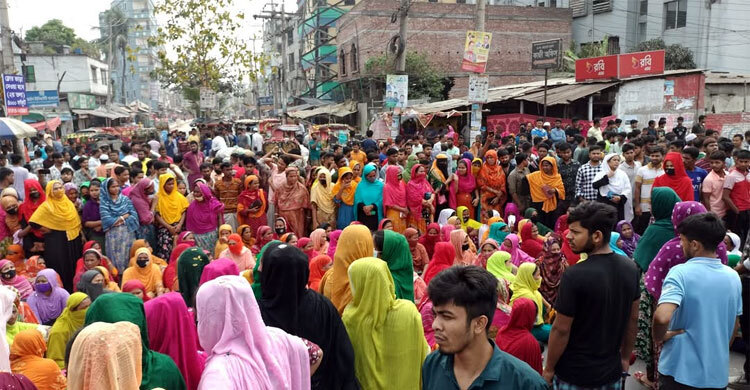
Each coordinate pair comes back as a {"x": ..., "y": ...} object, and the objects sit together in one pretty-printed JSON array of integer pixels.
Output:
[
  {"x": 171, "y": 331},
  {"x": 368, "y": 198},
  {"x": 8, "y": 277},
  {"x": 158, "y": 370},
  {"x": 628, "y": 236},
  {"x": 614, "y": 245},
  {"x": 358, "y": 245},
  {"x": 488, "y": 247},
  {"x": 526, "y": 285},
  {"x": 613, "y": 185},
  {"x": 169, "y": 275},
  {"x": 445, "y": 215},
  {"x": 394, "y": 198},
  {"x": 92, "y": 284},
  {"x": 263, "y": 236},
  {"x": 48, "y": 300},
  {"x": 138, "y": 244},
  {"x": 70, "y": 321},
  {"x": 222, "y": 243},
  {"x": 675, "y": 177},
  {"x": 517, "y": 255},
  {"x": 289, "y": 305},
  {"x": 246, "y": 234},
  {"x": 119, "y": 223},
  {"x": 343, "y": 195},
  {"x": 91, "y": 259},
  {"x": 463, "y": 188},
  {"x": 529, "y": 242},
  {"x": 189, "y": 269},
  {"x": 218, "y": 267},
  {"x": 292, "y": 198},
  {"x": 419, "y": 255},
  {"x": 108, "y": 283},
  {"x": 34, "y": 198},
  {"x": 499, "y": 264},
  {"x": 15, "y": 254},
  {"x": 466, "y": 254},
  {"x": 733, "y": 244},
  {"x": 393, "y": 249},
  {"x": 445, "y": 232},
  {"x": 321, "y": 197},
  {"x": 420, "y": 198},
  {"x": 62, "y": 240},
  {"x": 546, "y": 187},
  {"x": 140, "y": 196},
  {"x": 306, "y": 246},
  {"x": 444, "y": 257},
  {"x": 516, "y": 338},
  {"x": 242, "y": 351},
  {"x": 91, "y": 217},
  {"x": 237, "y": 252},
  {"x": 551, "y": 264},
  {"x": 170, "y": 214},
  {"x": 491, "y": 183},
  {"x": 386, "y": 333},
  {"x": 437, "y": 177},
  {"x": 430, "y": 238},
  {"x": 252, "y": 204},
  {"x": 319, "y": 265},
  {"x": 27, "y": 358},
  {"x": 318, "y": 239},
  {"x": 203, "y": 216},
  {"x": 498, "y": 232},
  {"x": 148, "y": 273}
]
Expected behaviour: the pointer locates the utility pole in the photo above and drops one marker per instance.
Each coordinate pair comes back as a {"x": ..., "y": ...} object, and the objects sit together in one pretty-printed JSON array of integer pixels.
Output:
[
  {"x": 479, "y": 23},
  {"x": 282, "y": 74},
  {"x": 6, "y": 60},
  {"x": 257, "y": 72},
  {"x": 402, "y": 15},
  {"x": 278, "y": 87},
  {"x": 109, "y": 67}
]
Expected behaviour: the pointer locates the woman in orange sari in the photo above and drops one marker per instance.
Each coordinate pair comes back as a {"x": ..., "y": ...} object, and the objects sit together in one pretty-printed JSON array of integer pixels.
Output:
[
  {"x": 27, "y": 358},
  {"x": 491, "y": 183},
  {"x": 252, "y": 204},
  {"x": 292, "y": 198}
]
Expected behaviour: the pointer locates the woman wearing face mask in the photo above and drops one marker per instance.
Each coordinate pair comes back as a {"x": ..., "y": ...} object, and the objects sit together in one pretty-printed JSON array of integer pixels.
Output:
[
  {"x": 119, "y": 223},
  {"x": 551, "y": 263},
  {"x": 438, "y": 176},
  {"x": 8, "y": 277},
  {"x": 466, "y": 254},
  {"x": 203, "y": 216},
  {"x": 34, "y": 198},
  {"x": 59, "y": 220},
  {"x": 69, "y": 322},
  {"x": 420, "y": 198},
  {"x": 675, "y": 177},
  {"x": 48, "y": 300},
  {"x": 10, "y": 205},
  {"x": 368, "y": 198},
  {"x": 92, "y": 284},
  {"x": 237, "y": 252},
  {"x": 149, "y": 274}
]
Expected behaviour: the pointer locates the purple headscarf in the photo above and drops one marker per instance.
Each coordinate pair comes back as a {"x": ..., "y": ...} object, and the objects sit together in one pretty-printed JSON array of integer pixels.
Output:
[
  {"x": 517, "y": 255},
  {"x": 628, "y": 244},
  {"x": 47, "y": 308},
  {"x": 670, "y": 253},
  {"x": 334, "y": 237},
  {"x": 201, "y": 217},
  {"x": 141, "y": 202},
  {"x": 512, "y": 209}
]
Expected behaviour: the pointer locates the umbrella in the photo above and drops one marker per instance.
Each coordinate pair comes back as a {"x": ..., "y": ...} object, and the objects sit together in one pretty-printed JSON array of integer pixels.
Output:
[{"x": 14, "y": 129}]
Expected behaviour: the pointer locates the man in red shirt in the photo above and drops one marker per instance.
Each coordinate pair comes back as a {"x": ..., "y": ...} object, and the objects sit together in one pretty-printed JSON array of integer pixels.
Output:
[{"x": 737, "y": 196}]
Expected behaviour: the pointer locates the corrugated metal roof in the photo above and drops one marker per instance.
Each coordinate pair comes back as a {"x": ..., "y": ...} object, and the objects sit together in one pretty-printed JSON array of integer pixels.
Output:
[
  {"x": 565, "y": 93},
  {"x": 445, "y": 105},
  {"x": 727, "y": 78}
]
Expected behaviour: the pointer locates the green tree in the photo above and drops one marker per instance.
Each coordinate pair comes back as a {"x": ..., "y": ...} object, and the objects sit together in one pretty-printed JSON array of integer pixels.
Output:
[
  {"x": 54, "y": 34},
  {"x": 593, "y": 49},
  {"x": 675, "y": 56},
  {"x": 425, "y": 80}
]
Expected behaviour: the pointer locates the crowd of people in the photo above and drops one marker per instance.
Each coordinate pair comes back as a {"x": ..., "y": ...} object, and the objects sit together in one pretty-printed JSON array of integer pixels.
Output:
[{"x": 220, "y": 257}]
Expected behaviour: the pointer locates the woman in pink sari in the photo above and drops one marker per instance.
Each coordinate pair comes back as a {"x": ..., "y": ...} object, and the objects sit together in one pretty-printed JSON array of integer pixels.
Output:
[
  {"x": 466, "y": 254},
  {"x": 517, "y": 256},
  {"x": 420, "y": 196},
  {"x": 463, "y": 188},
  {"x": 318, "y": 238},
  {"x": 243, "y": 353},
  {"x": 394, "y": 198},
  {"x": 171, "y": 332},
  {"x": 291, "y": 200}
]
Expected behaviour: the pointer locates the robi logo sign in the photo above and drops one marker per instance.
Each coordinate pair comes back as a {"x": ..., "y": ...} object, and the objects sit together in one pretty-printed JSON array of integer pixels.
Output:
[
  {"x": 596, "y": 68},
  {"x": 642, "y": 63}
]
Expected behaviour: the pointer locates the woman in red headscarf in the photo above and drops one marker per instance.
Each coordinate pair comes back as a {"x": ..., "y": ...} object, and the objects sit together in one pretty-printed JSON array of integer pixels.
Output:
[
  {"x": 169, "y": 276},
  {"x": 443, "y": 259},
  {"x": 420, "y": 198},
  {"x": 675, "y": 177},
  {"x": 305, "y": 245},
  {"x": 262, "y": 237},
  {"x": 530, "y": 243},
  {"x": 35, "y": 196},
  {"x": 491, "y": 184},
  {"x": 318, "y": 267},
  {"x": 237, "y": 252},
  {"x": 463, "y": 188},
  {"x": 418, "y": 252},
  {"x": 516, "y": 338},
  {"x": 252, "y": 204},
  {"x": 429, "y": 239}
]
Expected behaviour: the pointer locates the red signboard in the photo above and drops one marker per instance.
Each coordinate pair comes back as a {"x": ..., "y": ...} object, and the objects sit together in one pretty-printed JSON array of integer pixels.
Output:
[
  {"x": 596, "y": 68},
  {"x": 640, "y": 63}
]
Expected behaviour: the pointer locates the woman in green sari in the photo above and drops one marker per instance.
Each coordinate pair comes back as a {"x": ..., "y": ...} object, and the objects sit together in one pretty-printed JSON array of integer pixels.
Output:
[
  {"x": 190, "y": 266},
  {"x": 258, "y": 268},
  {"x": 394, "y": 250}
]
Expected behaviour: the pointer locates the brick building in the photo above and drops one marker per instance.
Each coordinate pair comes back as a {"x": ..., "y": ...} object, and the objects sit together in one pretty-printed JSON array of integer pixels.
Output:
[{"x": 439, "y": 30}]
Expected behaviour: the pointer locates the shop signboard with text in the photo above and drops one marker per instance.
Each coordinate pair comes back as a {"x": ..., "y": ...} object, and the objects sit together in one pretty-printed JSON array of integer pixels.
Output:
[
  {"x": 14, "y": 93},
  {"x": 641, "y": 63},
  {"x": 596, "y": 68}
]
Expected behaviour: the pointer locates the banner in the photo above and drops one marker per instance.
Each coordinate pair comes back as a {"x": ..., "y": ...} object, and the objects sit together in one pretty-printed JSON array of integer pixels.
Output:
[
  {"x": 506, "y": 124},
  {"x": 596, "y": 68},
  {"x": 476, "y": 51},
  {"x": 396, "y": 90},
  {"x": 48, "y": 98},
  {"x": 82, "y": 101},
  {"x": 641, "y": 63},
  {"x": 546, "y": 54},
  {"x": 14, "y": 91}
]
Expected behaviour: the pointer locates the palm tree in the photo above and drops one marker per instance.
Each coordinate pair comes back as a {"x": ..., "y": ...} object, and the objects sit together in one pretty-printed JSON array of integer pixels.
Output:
[{"x": 116, "y": 24}]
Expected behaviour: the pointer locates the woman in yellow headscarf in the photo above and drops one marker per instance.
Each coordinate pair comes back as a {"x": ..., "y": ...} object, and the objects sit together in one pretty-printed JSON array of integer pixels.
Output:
[
  {"x": 526, "y": 285},
  {"x": 27, "y": 359},
  {"x": 147, "y": 272},
  {"x": 343, "y": 195},
  {"x": 69, "y": 322},
  {"x": 138, "y": 244},
  {"x": 355, "y": 243},
  {"x": 109, "y": 284},
  {"x": 386, "y": 333},
  {"x": 222, "y": 243},
  {"x": 170, "y": 214},
  {"x": 58, "y": 219},
  {"x": 356, "y": 167},
  {"x": 546, "y": 187},
  {"x": 321, "y": 198}
]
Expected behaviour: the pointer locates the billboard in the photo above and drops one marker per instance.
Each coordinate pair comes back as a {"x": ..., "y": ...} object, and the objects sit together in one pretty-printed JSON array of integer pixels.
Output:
[
  {"x": 396, "y": 90},
  {"x": 476, "y": 51},
  {"x": 14, "y": 91},
  {"x": 596, "y": 68},
  {"x": 546, "y": 54},
  {"x": 641, "y": 63},
  {"x": 48, "y": 98},
  {"x": 82, "y": 101}
]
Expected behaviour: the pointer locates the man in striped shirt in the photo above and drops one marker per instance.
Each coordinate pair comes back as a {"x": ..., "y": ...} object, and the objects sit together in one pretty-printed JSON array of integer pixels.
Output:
[{"x": 644, "y": 180}]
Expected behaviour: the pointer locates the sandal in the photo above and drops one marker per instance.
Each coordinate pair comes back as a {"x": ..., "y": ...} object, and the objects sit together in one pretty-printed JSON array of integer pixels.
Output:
[{"x": 640, "y": 376}]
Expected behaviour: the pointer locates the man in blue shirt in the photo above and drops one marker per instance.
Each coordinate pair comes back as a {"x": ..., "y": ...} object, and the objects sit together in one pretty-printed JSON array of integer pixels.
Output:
[
  {"x": 698, "y": 308},
  {"x": 696, "y": 174},
  {"x": 539, "y": 130},
  {"x": 464, "y": 300},
  {"x": 557, "y": 134}
]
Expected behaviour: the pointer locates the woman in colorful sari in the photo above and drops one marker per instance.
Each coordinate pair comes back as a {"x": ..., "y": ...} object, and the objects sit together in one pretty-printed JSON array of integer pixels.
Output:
[
  {"x": 170, "y": 214},
  {"x": 356, "y": 167},
  {"x": 466, "y": 254},
  {"x": 526, "y": 285},
  {"x": 252, "y": 204},
  {"x": 546, "y": 187},
  {"x": 368, "y": 198},
  {"x": 420, "y": 198},
  {"x": 62, "y": 227},
  {"x": 34, "y": 198},
  {"x": 292, "y": 199},
  {"x": 108, "y": 355},
  {"x": 263, "y": 236},
  {"x": 502, "y": 310},
  {"x": 319, "y": 265},
  {"x": 171, "y": 331},
  {"x": 430, "y": 238},
  {"x": 140, "y": 196},
  {"x": 551, "y": 264},
  {"x": 386, "y": 333},
  {"x": 119, "y": 223},
  {"x": 498, "y": 232},
  {"x": 158, "y": 370},
  {"x": 148, "y": 273},
  {"x": 463, "y": 188},
  {"x": 91, "y": 259},
  {"x": 419, "y": 255},
  {"x": 190, "y": 266},
  {"x": 232, "y": 333},
  {"x": 318, "y": 239},
  {"x": 27, "y": 358},
  {"x": 358, "y": 244},
  {"x": 444, "y": 257},
  {"x": 321, "y": 198},
  {"x": 392, "y": 248},
  {"x": 306, "y": 246},
  {"x": 222, "y": 243},
  {"x": 203, "y": 216},
  {"x": 218, "y": 267},
  {"x": 437, "y": 177},
  {"x": 48, "y": 300},
  {"x": 530, "y": 243},
  {"x": 70, "y": 321},
  {"x": 343, "y": 195},
  {"x": 108, "y": 283},
  {"x": 491, "y": 183},
  {"x": 518, "y": 256},
  {"x": 516, "y": 337},
  {"x": 137, "y": 288},
  {"x": 628, "y": 236},
  {"x": 169, "y": 275},
  {"x": 138, "y": 244},
  {"x": 246, "y": 234},
  {"x": 237, "y": 252},
  {"x": 488, "y": 247},
  {"x": 289, "y": 305},
  {"x": 8, "y": 277},
  {"x": 394, "y": 198}
]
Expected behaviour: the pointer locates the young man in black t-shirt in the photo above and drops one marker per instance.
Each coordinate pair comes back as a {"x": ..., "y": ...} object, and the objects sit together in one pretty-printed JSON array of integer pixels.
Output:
[{"x": 597, "y": 307}]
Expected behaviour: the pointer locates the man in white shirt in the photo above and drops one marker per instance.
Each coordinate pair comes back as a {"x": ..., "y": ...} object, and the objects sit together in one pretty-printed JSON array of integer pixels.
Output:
[
  {"x": 595, "y": 131},
  {"x": 452, "y": 152},
  {"x": 218, "y": 143},
  {"x": 644, "y": 181},
  {"x": 630, "y": 166},
  {"x": 256, "y": 141}
]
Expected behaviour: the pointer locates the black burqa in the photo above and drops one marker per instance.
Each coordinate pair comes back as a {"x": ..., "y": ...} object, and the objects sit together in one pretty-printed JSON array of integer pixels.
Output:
[{"x": 288, "y": 304}]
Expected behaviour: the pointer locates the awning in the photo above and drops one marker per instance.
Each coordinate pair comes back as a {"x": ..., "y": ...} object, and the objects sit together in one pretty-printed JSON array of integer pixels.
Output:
[
  {"x": 445, "y": 105},
  {"x": 50, "y": 124},
  {"x": 338, "y": 110},
  {"x": 565, "y": 94},
  {"x": 102, "y": 112}
]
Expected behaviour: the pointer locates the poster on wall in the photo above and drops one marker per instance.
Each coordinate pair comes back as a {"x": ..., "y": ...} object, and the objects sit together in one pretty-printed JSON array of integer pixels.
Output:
[
  {"x": 396, "y": 90},
  {"x": 596, "y": 68},
  {"x": 668, "y": 87},
  {"x": 478, "y": 88},
  {"x": 476, "y": 51}
]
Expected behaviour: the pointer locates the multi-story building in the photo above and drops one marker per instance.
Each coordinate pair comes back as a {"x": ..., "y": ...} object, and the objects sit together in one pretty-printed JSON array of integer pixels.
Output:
[
  {"x": 715, "y": 30},
  {"x": 140, "y": 59}
]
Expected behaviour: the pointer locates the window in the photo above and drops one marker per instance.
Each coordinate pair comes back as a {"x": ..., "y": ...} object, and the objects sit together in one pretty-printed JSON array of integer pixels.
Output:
[
  {"x": 553, "y": 3},
  {"x": 642, "y": 32},
  {"x": 579, "y": 8},
  {"x": 94, "y": 74},
  {"x": 541, "y": 4},
  {"x": 104, "y": 77},
  {"x": 342, "y": 63},
  {"x": 432, "y": 1},
  {"x": 676, "y": 14},
  {"x": 349, "y": 2},
  {"x": 28, "y": 73},
  {"x": 613, "y": 45},
  {"x": 355, "y": 60},
  {"x": 644, "y": 7},
  {"x": 290, "y": 36},
  {"x": 291, "y": 62},
  {"x": 460, "y": 1},
  {"x": 602, "y": 6}
]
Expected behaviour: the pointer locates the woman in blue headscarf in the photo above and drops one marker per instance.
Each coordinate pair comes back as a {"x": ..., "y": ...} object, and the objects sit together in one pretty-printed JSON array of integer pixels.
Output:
[
  {"x": 368, "y": 199},
  {"x": 119, "y": 223}
]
